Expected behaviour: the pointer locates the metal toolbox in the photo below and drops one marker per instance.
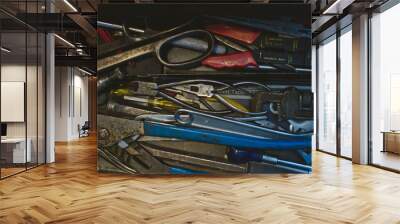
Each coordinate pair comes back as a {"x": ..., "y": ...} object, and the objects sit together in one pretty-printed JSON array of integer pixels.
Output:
[{"x": 204, "y": 88}]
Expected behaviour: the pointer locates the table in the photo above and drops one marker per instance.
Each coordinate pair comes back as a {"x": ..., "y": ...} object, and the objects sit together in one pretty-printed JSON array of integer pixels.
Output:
[
  {"x": 13, "y": 150},
  {"x": 391, "y": 141}
]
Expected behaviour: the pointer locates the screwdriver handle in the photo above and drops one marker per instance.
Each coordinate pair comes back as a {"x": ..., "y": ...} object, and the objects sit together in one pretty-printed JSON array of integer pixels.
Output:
[
  {"x": 244, "y": 156},
  {"x": 232, "y": 60}
]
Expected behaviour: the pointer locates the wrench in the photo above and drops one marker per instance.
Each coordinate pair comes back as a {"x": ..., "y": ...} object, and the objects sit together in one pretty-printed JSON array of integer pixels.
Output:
[
  {"x": 200, "y": 120},
  {"x": 238, "y": 140},
  {"x": 169, "y": 118}
]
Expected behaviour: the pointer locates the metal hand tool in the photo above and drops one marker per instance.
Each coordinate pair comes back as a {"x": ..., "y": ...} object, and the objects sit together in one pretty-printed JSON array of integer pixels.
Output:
[
  {"x": 170, "y": 118},
  {"x": 206, "y": 121},
  {"x": 159, "y": 48},
  {"x": 184, "y": 171},
  {"x": 292, "y": 126},
  {"x": 261, "y": 121},
  {"x": 249, "y": 53},
  {"x": 201, "y": 88},
  {"x": 253, "y": 58},
  {"x": 104, "y": 83},
  {"x": 205, "y": 93},
  {"x": 117, "y": 27},
  {"x": 265, "y": 59},
  {"x": 154, "y": 103},
  {"x": 287, "y": 104},
  {"x": 152, "y": 35},
  {"x": 104, "y": 35},
  {"x": 130, "y": 157},
  {"x": 197, "y": 149},
  {"x": 279, "y": 27},
  {"x": 238, "y": 140},
  {"x": 306, "y": 157},
  {"x": 299, "y": 126},
  {"x": 148, "y": 88},
  {"x": 274, "y": 124},
  {"x": 112, "y": 155},
  {"x": 273, "y": 49},
  {"x": 114, "y": 107},
  {"x": 159, "y": 103},
  {"x": 244, "y": 156},
  {"x": 152, "y": 89},
  {"x": 163, "y": 118},
  {"x": 188, "y": 43},
  {"x": 197, "y": 45},
  {"x": 109, "y": 157},
  {"x": 196, "y": 161}
]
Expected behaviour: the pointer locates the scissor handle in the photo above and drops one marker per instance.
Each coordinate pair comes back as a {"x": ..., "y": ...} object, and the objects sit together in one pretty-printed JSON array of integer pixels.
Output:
[{"x": 162, "y": 48}]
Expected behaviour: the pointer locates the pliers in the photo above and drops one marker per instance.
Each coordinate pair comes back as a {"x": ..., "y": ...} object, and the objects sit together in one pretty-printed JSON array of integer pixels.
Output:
[{"x": 201, "y": 89}]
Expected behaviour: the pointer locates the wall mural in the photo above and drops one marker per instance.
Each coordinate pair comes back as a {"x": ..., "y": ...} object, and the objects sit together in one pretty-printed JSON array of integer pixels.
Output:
[{"x": 204, "y": 89}]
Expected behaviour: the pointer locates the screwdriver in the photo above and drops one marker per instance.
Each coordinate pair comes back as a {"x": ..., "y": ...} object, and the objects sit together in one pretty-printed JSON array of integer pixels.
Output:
[
  {"x": 154, "y": 102},
  {"x": 243, "y": 156},
  {"x": 162, "y": 103},
  {"x": 147, "y": 102}
]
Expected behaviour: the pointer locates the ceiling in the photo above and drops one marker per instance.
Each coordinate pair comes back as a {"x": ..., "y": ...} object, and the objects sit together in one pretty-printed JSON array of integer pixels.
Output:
[{"x": 79, "y": 27}]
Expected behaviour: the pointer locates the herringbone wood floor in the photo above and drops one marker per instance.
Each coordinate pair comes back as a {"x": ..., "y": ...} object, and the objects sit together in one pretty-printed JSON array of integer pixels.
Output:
[{"x": 71, "y": 191}]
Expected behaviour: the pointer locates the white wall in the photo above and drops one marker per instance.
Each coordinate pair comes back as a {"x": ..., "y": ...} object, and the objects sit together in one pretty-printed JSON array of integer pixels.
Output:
[
  {"x": 71, "y": 102},
  {"x": 12, "y": 73},
  {"x": 81, "y": 104},
  {"x": 62, "y": 81}
]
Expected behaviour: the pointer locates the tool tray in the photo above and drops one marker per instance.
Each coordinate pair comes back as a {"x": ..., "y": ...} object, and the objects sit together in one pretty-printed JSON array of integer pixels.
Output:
[{"x": 279, "y": 89}]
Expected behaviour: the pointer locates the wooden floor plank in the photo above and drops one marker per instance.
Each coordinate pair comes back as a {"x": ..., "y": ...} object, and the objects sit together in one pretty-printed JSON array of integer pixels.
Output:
[{"x": 72, "y": 191}]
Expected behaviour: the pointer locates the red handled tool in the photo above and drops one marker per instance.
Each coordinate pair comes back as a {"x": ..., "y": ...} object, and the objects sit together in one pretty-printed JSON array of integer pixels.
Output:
[
  {"x": 232, "y": 60},
  {"x": 207, "y": 41},
  {"x": 249, "y": 55},
  {"x": 104, "y": 35},
  {"x": 238, "y": 33},
  {"x": 245, "y": 55}
]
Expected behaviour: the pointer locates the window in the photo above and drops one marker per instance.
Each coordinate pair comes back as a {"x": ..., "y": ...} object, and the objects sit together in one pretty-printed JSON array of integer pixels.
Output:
[
  {"x": 346, "y": 92},
  {"x": 327, "y": 95},
  {"x": 385, "y": 88}
]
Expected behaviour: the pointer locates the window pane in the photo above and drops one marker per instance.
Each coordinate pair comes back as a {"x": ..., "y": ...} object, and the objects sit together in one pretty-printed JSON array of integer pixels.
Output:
[
  {"x": 385, "y": 88},
  {"x": 15, "y": 151},
  {"x": 346, "y": 94},
  {"x": 327, "y": 96}
]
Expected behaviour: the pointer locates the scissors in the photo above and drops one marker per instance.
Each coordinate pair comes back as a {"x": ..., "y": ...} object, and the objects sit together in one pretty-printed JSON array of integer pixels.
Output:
[
  {"x": 243, "y": 52},
  {"x": 212, "y": 43}
]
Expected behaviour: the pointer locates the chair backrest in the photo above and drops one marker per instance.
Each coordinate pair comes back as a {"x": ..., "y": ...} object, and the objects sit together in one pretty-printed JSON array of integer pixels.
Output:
[{"x": 86, "y": 125}]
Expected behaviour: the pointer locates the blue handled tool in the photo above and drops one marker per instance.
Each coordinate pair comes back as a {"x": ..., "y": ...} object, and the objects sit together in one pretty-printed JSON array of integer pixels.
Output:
[
  {"x": 244, "y": 156},
  {"x": 178, "y": 170},
  {"x": 224, "y": 138},
  {"x": 305, "y": 156}
]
